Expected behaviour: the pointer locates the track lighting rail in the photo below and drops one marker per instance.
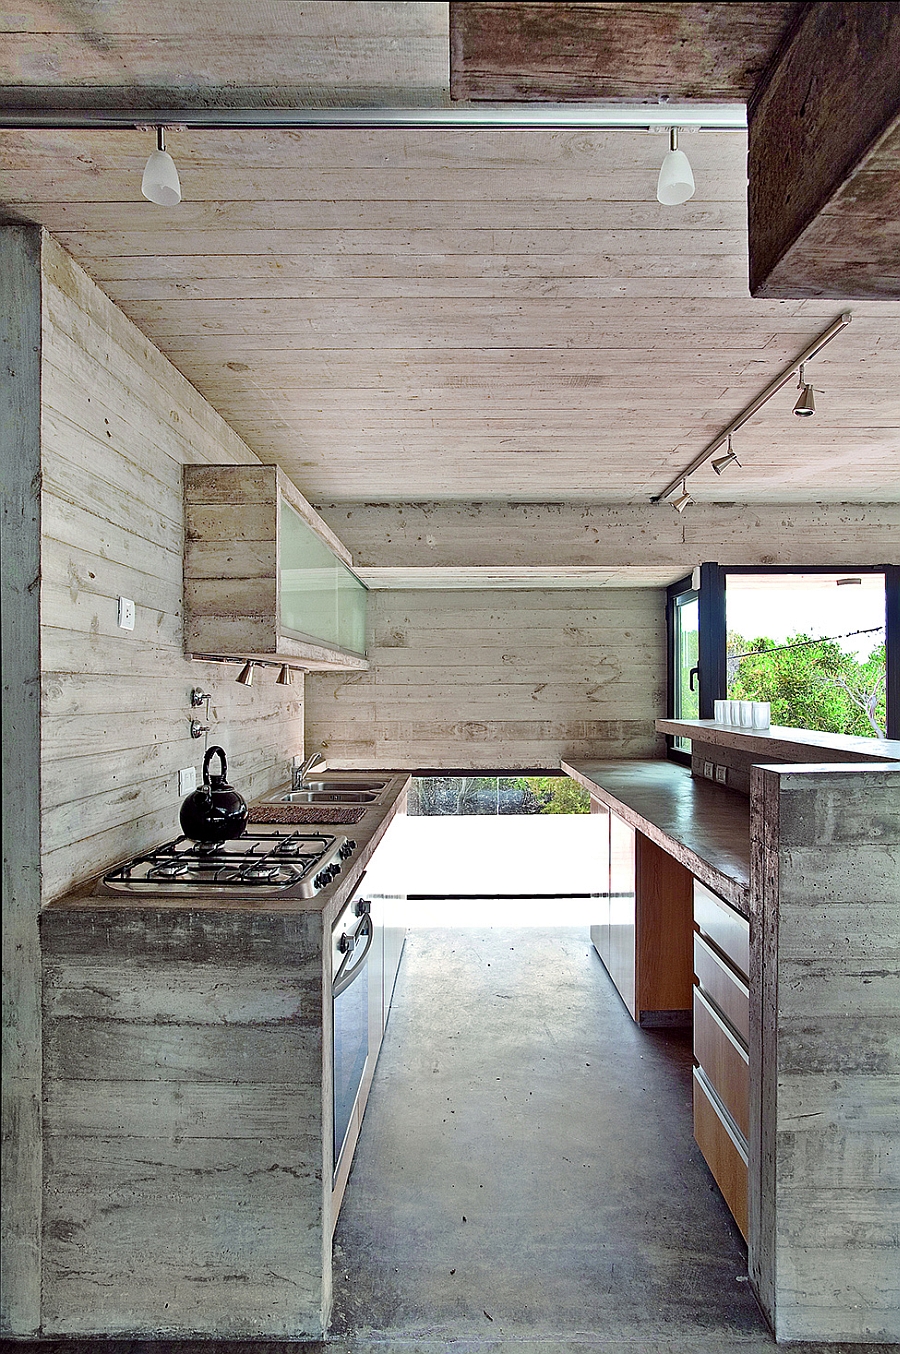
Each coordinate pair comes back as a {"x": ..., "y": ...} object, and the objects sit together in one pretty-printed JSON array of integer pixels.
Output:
[
  {"x": 755, "y": 405},
  {"x": 696, "y": 116}
]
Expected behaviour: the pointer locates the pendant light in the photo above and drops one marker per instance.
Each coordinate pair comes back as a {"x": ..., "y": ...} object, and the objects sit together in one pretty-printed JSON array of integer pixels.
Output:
[
  {"x": 723, "y": 462},
  {"x": 676, "y": 180},
  {"x": 160, "y": 183}
]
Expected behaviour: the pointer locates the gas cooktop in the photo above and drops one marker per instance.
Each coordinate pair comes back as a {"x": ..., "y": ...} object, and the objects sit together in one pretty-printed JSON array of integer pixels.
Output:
[{"x": 265, "y": 860}]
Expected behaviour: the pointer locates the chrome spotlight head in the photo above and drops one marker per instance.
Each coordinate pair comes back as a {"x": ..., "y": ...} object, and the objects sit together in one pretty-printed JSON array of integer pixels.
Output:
[
  {"x": 683, "y": 499},
  {"x": 806, "y": 404},
  {"x": 245, "y": 676},
  {"x": 285, "y": 676}
]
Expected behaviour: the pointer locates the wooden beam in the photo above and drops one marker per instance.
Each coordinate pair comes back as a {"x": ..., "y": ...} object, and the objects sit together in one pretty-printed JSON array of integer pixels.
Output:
[
  {"x": 824, "y": 158},
  {"x": 612, "y": 51}
]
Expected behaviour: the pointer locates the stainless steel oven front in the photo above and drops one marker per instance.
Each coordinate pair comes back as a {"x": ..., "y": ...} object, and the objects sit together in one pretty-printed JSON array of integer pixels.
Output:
[{"x": 353, "y": 986}]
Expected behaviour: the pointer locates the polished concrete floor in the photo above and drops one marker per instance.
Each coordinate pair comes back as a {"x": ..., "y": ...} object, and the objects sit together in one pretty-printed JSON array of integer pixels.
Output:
[{"x": 526, "y": 1177}]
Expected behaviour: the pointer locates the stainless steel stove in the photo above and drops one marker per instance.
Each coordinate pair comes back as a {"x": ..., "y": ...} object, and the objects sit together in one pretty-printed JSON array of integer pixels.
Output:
[{"x": 267, "y": 861}]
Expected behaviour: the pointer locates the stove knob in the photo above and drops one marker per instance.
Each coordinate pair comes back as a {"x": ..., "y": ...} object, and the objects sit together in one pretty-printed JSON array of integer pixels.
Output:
[
  {"x": 352, "y": 845},
  {"x": 320, "y": 880},
  {"x": 334, "y": 870}
]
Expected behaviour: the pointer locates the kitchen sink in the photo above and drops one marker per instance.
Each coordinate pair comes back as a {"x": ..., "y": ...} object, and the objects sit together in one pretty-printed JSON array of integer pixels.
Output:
[
  {"x": 328, "y": 797},
  {"x": 328, "y": 786}
]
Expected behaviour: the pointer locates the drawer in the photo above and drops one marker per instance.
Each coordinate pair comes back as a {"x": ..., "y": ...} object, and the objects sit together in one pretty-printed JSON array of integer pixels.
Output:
[
  {"x": 724, "y": 1061},
  {"x": 725, "y": 1154},
  {"x": 727, "y": 929},
  {"x": 725, "y": 990}
]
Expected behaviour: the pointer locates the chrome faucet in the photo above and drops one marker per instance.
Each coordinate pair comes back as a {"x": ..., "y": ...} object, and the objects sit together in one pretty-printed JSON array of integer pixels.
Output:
[{"x": 314, "y": 762}]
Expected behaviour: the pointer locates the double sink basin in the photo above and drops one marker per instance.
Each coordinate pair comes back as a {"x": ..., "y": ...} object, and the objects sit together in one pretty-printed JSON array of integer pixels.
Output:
[{"x": 334, "y": 792}]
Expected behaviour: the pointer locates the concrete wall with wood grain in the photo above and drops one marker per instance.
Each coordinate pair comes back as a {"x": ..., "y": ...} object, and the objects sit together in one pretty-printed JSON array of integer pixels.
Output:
[
  {"x": 497, "y": 678},
  {"x": 825, "y": 1038},
  {"x": 119, "y": 422}
]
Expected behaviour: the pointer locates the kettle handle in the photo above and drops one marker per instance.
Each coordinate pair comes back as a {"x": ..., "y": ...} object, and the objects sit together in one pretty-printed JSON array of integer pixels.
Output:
[{"x": 212, "y": 752}]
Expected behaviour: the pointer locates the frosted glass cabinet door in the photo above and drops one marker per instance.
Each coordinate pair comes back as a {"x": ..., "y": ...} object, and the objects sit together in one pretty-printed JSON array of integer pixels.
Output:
[{"x": 320, "y": 597}]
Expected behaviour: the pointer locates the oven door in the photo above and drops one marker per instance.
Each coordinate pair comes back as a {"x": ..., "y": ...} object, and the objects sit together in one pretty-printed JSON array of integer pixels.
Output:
[{"x": 352, "y": 939}]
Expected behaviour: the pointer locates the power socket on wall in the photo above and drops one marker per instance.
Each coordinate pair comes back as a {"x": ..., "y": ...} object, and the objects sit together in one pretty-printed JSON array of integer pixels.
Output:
[
  {"x": 125, "y": 614},
  {"x": 722, "y": 775},
  {"x": 708, "y": 770}
]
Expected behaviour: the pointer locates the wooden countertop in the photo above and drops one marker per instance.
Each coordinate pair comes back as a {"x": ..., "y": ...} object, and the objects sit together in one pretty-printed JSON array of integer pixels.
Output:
[{"x": 706, "y": 828}]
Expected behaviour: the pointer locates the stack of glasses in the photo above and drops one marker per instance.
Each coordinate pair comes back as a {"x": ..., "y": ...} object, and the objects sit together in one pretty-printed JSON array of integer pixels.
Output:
[{"x": 743, "y": 714}]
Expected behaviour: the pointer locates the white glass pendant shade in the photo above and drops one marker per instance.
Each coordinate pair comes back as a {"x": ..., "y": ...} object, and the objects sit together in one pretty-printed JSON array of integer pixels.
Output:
[
  {"x": 676, "y": 180},
  {"x": 160, "y": 183}
]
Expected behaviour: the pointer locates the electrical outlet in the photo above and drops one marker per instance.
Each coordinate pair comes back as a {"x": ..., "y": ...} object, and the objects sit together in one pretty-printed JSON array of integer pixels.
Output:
[
  {"x": 126, "y": 614},
  {"x": 187, "y": 780},
  {"x": 722, "y": 775},
  {"x": 708, "y": 770}
]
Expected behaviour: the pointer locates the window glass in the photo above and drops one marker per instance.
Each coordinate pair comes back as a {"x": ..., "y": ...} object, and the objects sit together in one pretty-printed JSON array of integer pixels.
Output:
[
  {"x": 813, "y": 645},
  {"x": 320, "y": 597},
  {"x": 687, "y": 651}
]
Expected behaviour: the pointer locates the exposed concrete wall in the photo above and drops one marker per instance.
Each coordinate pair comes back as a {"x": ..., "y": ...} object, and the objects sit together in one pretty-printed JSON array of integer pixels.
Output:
[
  {"x": 119, "y": 423},
  {"x": 498, "y": 679},
  {"x": 825, "y": 1040},
  {"x": 20, "y": 551}
]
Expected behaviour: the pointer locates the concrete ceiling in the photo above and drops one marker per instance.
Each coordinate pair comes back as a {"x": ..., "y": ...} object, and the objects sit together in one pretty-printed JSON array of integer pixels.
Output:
[{"x": 397, "y": 314}]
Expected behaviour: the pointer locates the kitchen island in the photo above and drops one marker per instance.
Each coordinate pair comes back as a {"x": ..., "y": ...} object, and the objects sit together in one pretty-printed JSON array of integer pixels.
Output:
[
  {"x": 188, "y": 1088},
  {"x": 822, "y": 895}
]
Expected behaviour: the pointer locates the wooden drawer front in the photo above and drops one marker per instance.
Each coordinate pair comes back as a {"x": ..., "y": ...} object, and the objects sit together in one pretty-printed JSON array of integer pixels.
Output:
[
  {"x": 723, "y": 987},
  {"x": 725, "y": 1156},
  {"x": 727, "y": 929},
  {"x": 723, "y": 1060}
]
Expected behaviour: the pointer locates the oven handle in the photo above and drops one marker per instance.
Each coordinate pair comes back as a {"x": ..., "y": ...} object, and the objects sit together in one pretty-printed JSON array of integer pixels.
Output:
[{"x": 345, "y": 974}]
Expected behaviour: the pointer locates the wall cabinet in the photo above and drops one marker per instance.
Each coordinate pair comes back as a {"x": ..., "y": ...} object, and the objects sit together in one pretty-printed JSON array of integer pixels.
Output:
[
  {"x": 264, "y": 576},
  {"x": 643, "y": 933},
  {"x": 721, "y": 1034}
]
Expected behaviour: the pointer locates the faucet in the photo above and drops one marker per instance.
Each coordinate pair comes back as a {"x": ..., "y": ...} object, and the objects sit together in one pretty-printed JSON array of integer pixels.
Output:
[{"x": 314, "y": 762}]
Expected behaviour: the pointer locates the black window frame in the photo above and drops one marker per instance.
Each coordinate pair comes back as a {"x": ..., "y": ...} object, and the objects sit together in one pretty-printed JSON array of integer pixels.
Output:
[{"x": 712, "y": 664}]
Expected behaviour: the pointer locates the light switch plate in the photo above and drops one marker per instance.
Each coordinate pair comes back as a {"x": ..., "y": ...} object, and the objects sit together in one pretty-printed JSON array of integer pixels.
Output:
[
  {"x": 126, "y": 614},
  {"x": 722, "y": 775},
  {"x": 187, "y": 780},
  {"x": 708, "y": 770}
]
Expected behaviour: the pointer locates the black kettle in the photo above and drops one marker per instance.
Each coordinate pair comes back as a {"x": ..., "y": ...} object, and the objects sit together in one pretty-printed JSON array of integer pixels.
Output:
[{"x": 215, "y": 812}]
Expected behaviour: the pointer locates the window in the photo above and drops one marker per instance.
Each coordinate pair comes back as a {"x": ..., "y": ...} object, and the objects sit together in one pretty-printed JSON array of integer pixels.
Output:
[{"x": 821, "y": 644}]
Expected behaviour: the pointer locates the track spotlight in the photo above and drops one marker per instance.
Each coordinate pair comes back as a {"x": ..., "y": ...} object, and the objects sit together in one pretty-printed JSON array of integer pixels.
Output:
[
  {"x": 806, "y": 404},
  {"x": 245, "y": 676},
  {"x": 160, "y": 183},
  {"x": 683, "y": 499},
  {"x": 676, "y": 181},
  {"x": 723, "y": 462},
  {"x": 285, "y": 676}
]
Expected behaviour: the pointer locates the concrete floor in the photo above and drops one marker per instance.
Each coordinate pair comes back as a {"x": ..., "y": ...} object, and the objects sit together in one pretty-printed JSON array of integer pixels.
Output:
[{"x": 526, "y": 1174}]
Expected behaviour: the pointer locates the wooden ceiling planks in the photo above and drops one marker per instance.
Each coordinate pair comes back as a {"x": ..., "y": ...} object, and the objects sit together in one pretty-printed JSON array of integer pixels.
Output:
[{"x": 560, "y": 51}]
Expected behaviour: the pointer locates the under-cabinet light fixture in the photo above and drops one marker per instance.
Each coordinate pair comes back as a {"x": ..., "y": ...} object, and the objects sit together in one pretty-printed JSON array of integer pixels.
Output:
[
  {"x": 676, "y": 180},
  {"x": 245, "y": 676},
  {"x": 723, "y": 462},
  {"x": 161, "y": 183}
]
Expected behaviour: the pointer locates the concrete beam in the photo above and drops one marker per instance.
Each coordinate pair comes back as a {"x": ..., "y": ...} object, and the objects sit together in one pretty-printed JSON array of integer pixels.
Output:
[{"x": 824, "y": 158}]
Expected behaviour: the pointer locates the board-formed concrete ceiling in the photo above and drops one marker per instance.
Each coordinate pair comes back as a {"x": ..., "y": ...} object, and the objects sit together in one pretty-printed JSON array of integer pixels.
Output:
[{"x": 399, "y": 314}]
